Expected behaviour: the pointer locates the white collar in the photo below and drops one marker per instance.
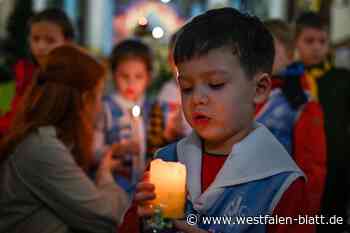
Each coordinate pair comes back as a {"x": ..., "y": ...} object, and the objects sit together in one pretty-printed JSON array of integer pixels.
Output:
[{"x": 259, "y": 155}]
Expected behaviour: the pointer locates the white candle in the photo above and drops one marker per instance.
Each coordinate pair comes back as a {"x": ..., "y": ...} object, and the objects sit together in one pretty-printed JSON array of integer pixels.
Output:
[
  {"x": 169, "y": 179},
  {"x": 137, "y": 134}
]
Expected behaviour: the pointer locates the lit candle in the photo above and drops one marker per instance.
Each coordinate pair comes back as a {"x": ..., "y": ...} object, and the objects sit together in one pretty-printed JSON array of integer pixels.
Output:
[
  {"x": 136, "y": 111},
  {"x": 169, "y": 179},
  {"x": 137, "y": 134}
]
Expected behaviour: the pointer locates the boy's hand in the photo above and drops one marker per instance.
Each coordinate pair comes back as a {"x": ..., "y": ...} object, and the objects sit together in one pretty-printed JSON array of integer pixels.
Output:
[
  {"x": 144, "y": 194},
  {"x": 185, "y": 228}
]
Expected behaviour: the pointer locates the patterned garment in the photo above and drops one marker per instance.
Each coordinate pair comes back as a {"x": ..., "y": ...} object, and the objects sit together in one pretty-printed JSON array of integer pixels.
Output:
[
  {"x": 116, "y": 124},
  {"x": 296, "y": 120},
  {"x": 282, "y": 109},
  {"x": 316, "y": 72}
]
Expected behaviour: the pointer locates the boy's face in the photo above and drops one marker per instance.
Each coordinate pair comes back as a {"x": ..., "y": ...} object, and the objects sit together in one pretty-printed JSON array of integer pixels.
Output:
[
  {"x": 217, "y": 96},
  {"x": 44, "y": 37},
  {"x": 312, "y": 45},
  {"x": 131, "y": 78},
  {"x": 282, "y": 57}
]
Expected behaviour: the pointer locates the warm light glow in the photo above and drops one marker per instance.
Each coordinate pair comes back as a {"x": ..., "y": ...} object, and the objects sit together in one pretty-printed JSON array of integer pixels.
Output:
[
  {"x": 143, "y": 21},
  {"x": 157, "y": 32},
  {"x": 169, "y": 179},
  {"x": 136, "y": 111},
  {"x": 162, "y": 14}
]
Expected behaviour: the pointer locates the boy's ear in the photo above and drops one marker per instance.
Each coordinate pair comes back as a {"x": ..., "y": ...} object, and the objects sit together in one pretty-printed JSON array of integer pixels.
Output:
[{"x": 262, "y": 87}]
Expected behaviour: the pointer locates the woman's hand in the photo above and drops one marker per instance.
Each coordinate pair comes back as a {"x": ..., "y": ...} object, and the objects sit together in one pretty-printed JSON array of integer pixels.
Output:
[
  {"x": 133, "y": 147},
  {"x": 109, "y": 162},
  {"x": 126, "y": 146},
  {"x": 107, "y": 165}
]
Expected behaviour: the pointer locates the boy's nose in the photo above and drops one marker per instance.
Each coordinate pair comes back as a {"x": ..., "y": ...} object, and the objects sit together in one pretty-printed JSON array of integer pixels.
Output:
[
  {"x": 317, "y": 46},
  {"x": 131, "y": 82},
  {"x": 41, "y": 45},
  {"x": 200, "y": 96}
]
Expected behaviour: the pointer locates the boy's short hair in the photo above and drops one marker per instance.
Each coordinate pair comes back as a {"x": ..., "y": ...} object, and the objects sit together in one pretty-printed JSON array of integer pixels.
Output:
[
  {"x": 245, "y": 34},
  {"x": 282, "y": 31},
  {"x": 309, "y": 20},
  {"x": 172, "y": 41},
  {"x": 131, "y": 49}
]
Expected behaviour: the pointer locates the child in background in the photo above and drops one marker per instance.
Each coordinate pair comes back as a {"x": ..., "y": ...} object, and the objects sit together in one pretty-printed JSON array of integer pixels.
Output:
[
  {"x": 124, "y": 121},
  {"x": 48, "y": 29},
  {"x": 331, "y": 87},
  {"x": 167, "y": 122},
  {"x": 235, "y": 166},
  {"x": 294, "y": 118}
]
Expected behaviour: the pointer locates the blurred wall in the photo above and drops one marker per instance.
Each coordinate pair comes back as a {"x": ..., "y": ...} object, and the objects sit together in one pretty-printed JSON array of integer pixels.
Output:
[
  {"x": 6, "y": 7},
  {"x": 340, "y": 18}
]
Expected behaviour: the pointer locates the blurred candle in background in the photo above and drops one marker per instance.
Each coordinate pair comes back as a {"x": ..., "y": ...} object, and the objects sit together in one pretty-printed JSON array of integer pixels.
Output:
[{"x": 137, "y": 135}]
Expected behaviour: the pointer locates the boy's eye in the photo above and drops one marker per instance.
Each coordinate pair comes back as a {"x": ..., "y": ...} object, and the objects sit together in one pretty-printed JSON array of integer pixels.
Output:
[
  {"x": 309, "y": 40},
  {"x": 140, "y": 77},
  {"x": 35, "y": 38},
  {"x": 123, "y": 76},
  {"x": 50, "y": 40},
  {"x": 186, "y": 88},
  {"x": 322, "y": 41},
  {"x": 216, "y": 86}
]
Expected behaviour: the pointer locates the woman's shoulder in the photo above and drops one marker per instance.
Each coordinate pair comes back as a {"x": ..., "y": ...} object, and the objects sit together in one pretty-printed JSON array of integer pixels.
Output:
[
  {"x": 43, "y": 136},
  {"x": 38, "y": 145}
]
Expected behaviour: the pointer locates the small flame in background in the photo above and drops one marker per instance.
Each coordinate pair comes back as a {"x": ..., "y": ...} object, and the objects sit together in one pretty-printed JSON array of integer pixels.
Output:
[{"x": 136, "y": 111}]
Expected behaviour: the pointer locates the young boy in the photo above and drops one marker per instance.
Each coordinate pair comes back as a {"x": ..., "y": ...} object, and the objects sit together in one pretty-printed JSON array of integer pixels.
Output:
[
  {"x": 292, "y": 116},
  {"x": 235, "y": 167},
  {"x": 118, "y": 128},
  {"x": 331, "y": 86}
]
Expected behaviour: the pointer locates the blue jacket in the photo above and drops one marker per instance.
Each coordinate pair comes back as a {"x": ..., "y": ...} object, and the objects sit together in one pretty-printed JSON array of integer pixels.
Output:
[
  {"x": 251, "y": 182},
  {"x": 279, "y": 117}
]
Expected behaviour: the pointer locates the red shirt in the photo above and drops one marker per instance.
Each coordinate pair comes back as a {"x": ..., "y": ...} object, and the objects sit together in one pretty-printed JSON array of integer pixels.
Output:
[
  {"x": 211, "y": 165},
  {"x": 24, "y": 71}
]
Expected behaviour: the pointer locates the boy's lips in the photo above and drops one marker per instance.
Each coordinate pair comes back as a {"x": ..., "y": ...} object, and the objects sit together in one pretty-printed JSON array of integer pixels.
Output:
[
  {"x": 129, "y": 91},
  {"x": 200, "y": 119}
]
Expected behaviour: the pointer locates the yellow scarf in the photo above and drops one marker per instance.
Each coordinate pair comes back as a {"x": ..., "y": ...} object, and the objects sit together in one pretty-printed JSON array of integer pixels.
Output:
[{"x": 315, "y": 72}]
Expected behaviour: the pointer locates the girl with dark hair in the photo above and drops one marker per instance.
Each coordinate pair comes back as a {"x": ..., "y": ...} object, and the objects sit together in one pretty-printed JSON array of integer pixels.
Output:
[{"x": 47, "y": 30}]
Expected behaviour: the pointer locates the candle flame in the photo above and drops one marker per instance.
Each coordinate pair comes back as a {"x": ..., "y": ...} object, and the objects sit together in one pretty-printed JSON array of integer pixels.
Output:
[{"x": 136, "y": 111}]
